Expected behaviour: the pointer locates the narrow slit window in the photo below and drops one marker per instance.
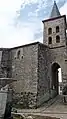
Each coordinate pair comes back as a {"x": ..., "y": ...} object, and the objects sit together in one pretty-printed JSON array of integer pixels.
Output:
[
  {"x": 57, "y": 39},
  {"x": 18, "y": 54},
  {"x": 50, "y": 40},
  {"x": 50, "y": 31},
  {"x": 57, "y": 29}
]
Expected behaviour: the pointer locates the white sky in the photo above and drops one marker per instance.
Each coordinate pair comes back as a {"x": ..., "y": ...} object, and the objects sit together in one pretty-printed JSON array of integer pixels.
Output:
[{"x": 10, "y": 35}]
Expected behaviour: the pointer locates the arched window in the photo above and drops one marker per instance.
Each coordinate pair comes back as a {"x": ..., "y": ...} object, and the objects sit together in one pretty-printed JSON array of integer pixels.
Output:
[
  {"x": 50, "y": 31},
  {"x": 57, "y": 29},
  {"x": 18, "y": 54},
  {"x": 57, "y": 39},
  {"x": 50, "y": 40}
]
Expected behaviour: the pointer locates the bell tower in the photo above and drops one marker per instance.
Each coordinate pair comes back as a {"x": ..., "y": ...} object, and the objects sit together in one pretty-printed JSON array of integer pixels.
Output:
[{"x": 54, "y": 30}]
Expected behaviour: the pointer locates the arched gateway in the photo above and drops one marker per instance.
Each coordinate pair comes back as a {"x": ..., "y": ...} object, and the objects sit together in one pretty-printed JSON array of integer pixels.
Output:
[{"x": 56, "y": 77}]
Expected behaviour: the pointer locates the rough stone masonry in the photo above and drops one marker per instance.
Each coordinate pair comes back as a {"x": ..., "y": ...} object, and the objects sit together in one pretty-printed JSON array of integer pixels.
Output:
[{"x": 34, "y": 67}]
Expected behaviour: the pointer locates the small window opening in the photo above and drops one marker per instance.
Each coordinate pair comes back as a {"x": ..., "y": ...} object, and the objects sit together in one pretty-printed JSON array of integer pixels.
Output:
[
  {"x": 57, "y": 39},
  {"x": 18, "y": 54},
  {"x": 21, "y": 93},
  {"x": 50, "y": 31},
  {"x": 50, "y": 40},
  {"x": 57, "y": 29},
  {"x": 22, "y": 57}
]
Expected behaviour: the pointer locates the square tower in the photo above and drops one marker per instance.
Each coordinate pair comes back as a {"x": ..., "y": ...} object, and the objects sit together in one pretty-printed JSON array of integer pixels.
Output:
[{"x": 54, "y": 31}]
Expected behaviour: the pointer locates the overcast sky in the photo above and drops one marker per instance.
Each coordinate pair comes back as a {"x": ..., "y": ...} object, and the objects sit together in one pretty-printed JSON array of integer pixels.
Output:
[{"x": 20, "y": 20}]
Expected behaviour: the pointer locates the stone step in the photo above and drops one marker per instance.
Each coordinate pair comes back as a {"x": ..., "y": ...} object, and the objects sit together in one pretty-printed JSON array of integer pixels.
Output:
[{"x": 50, "y": 102}]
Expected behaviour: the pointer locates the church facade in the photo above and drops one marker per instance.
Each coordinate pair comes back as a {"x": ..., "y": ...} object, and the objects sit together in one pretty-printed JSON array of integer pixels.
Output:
[{"x": 34, "y": 67}]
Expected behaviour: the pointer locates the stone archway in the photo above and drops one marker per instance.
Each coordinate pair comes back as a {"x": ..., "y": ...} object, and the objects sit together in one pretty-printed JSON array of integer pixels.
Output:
[{"x": 55, "y": 78}]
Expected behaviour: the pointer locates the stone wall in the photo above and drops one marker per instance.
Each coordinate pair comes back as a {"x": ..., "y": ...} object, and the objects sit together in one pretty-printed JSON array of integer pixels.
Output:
[
  {"x": 3, "y": 62},
  {"x": 24, "y": 70},
  {"x": 59, "y": 55},
  {"x": 43, "y": 81},
  {"x": 5, "y": 67}
]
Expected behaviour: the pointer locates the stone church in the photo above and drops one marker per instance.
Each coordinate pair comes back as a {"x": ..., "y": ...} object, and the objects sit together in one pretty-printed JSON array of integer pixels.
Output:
[{"x": 32, "y": 69}]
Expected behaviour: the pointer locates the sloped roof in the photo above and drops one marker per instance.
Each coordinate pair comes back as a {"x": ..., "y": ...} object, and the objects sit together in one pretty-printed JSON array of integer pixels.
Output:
[{"x": 55, "y": 11}]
